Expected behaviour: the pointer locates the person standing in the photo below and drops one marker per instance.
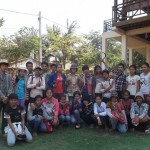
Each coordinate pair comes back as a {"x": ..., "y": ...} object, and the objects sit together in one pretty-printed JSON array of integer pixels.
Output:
[
  {"x": 6, "y": 88},
  {"x": 73, "y": 81}
]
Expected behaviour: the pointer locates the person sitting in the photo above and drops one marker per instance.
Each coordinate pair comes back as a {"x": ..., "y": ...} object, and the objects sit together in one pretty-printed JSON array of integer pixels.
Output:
[
  {"x": 64, "y": 114},
  {"x": 15, "y": 129},
  {"x": 116, "y": 113},
  {"x": 139, "y": 113},
  {"x": 35, "y": 116}
]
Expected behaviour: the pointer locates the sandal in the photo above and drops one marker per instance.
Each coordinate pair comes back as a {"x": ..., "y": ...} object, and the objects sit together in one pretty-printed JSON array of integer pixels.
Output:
[{"x": 77, "y": 127}]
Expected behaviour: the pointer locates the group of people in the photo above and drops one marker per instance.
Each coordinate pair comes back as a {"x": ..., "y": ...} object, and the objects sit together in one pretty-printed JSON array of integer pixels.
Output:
[{"x": 42, "y": 98}]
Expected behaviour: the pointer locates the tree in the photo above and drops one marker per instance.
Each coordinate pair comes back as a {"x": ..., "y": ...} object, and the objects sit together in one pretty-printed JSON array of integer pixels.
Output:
[
  {"x": 20, "y": 45},
  {"x": 1, "y": 22}
]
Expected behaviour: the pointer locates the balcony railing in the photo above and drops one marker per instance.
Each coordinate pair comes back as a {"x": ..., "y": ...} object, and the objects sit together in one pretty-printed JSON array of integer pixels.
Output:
[
  {"x": 130, "y": 9},
  {"x": 107, "y": 25}
]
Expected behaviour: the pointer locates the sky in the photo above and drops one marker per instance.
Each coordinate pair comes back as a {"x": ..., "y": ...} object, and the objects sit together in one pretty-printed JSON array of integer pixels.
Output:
[{"x": 89, "y": 14}]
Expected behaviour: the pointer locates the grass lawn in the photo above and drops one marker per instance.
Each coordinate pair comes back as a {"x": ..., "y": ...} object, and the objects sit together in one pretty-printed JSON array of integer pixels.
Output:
[{"x": 83, "y": 139}]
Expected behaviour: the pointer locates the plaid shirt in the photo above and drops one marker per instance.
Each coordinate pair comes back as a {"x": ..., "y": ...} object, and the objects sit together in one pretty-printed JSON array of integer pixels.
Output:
[
  {"x": 6, "y": 86},
  {"x": 120, "y": 80}
]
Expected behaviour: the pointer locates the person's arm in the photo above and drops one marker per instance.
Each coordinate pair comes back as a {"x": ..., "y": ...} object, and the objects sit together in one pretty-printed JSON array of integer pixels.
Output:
[
  {"x": 51, "y": 81},
  {"x": 30, "y": 114},
  {"x": 112, "y": 86},
  {"x": 56, "y": 109},
  {"x": 124, "y": 83},
  {"x": 10, "y": 90},
  {"x": 1, "y": 95},
  {"x": 145, "y": 112},
  {"x": 104, "y": 113},
  {"x": 23, "y": 121},
  {"x": 42, "y": 86},
  {"x": 138, "y": 84},
  {"x": 124, "y": 114},
  {"x": 94, "y": 84},
  {"x": 108, "y": 111},
  {"x": 132, "y": 111},
  {"x": 95, "y": 109},
  {"x": 98, "y": 88},
  {"x": 29, "y": 85}
]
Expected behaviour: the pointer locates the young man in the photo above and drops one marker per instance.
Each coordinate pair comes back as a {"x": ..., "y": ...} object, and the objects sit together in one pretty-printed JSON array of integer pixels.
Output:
[
  {"x": 73, "y": 81},
  {"x": 120, "y": 78},
  {"x": 53, "y": 68},
  {"x": 6, "y": 88}
]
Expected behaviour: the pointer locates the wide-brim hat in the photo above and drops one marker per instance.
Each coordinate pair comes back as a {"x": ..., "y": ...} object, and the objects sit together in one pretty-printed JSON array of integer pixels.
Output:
[
  {"x": 4, "y": 61},
  {"x": 74, "y": 66},
  {"x": 22, "y": 67},
  {"x": 140, "y": 94}
]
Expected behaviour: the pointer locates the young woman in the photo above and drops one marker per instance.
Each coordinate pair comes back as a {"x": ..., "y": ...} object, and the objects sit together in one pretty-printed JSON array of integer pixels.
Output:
[
  {"x": 145, "y": 80},
  {"x": 50, "y": 107},
  {"x": 57, "y": 82},
  {"x": 16, "y": 129},
  {"x": 133, "y": 82},
  {"x": 139, "y": 113},
  {"x": 20, "y": 85},
  {"x": 97, "y": 78},
  {"x": 106, "y": 87},
  {"x": 64, "y": 114},
  {"x": 127, "y": 102},
  {"x": 87, "y": 113},
  {"x": 35, "y": 116},
  {"x": 116, "y": 113},
  {"x": 100, "y": 112},
  {"x": 76, "y": 109},
  {"x": 73, "y": 81}
]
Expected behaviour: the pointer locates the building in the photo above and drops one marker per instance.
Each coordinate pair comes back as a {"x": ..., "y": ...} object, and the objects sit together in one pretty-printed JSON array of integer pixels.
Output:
[{"x": 130, "y": 24}]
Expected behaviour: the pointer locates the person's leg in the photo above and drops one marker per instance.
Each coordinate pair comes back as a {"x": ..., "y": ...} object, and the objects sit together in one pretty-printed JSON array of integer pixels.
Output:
[
  {"x": 28, "y": 135},
  {"x": 4, "y": 122},
  {"x": 73, "y": 119},
  {"x": 113, "y": 123},
  {"x": 121, "y": 128},
  {"x": 11, "y": 138},
  {"x": 36, "y": 124},
  {"x": 68, "y": 119},
  {"x": 42, "y": 127},
  {"x": 77, "y": 116},
  {"x": 62, "y": 119}
]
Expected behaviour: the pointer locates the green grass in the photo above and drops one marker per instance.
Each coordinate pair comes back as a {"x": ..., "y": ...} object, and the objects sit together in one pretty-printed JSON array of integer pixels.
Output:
[{"x": 83, "y": 139}]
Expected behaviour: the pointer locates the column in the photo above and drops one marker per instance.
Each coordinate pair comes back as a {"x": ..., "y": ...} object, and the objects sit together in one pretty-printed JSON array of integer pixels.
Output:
[
  {"x": 124, "y": 48},
  {"x": 130, "y": 56},
  {"x": 148, "y": 54},
  {"x": 104, "y": 50}
]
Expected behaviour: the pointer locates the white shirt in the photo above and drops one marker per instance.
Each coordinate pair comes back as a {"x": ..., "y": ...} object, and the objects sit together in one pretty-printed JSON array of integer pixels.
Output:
[
  {"x": 31, "y": 84},
  {"x": 101, "y": 110},
  {"x": 145, "y": 83},
  {"x": 132, "y": 83}
]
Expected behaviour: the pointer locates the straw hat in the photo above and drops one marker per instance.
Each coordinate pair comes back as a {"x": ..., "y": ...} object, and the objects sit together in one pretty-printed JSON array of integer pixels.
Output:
[{"x": 4, "y": 61}]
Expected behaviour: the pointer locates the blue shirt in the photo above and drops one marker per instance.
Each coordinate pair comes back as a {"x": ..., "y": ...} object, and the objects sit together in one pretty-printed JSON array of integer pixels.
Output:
[{"x": 20, "y": 91}]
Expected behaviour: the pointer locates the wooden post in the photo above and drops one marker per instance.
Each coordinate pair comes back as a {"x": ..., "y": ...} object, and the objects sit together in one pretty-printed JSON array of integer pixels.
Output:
[
  {"x": 104, "y": 50},
  {"x": 115, "y": 10},
  {"x": 124, "y": 48}
]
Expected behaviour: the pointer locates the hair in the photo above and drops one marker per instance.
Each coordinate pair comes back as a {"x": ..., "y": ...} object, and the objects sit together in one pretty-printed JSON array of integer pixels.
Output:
[
  {"x": 133, "y": 66},
  {"x": 59, "y": 65},
  {"x": 97, "y": 66},
  {"x": 86, "y": 98},
  {"x": 105, "y": 71},
  {"x": 44, "y": 63},
  {"x": 29, "y": 63},
  {"x": 126, "y": 91},
  {"x": 48, "y": 90},
  {"x": 98, "y": 96},
  {"x": 62, "y": 95},
  {"x": 37, "y": 97},
  {"x": 76, "y": 92},
  {"x": 53, "y": 65},
  {"x": 146, "y": 64},
  {"x": 85, "y": 67},
  {"x": 121, "y": 64},
  {"x": 13, "y": 96}
]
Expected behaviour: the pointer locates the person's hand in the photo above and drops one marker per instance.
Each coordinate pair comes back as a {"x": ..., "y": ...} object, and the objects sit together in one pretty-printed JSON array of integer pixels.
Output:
[
  {"x": 38, "y": 84},
  {"x": 16, "y": 134},
  {"x": 55, "y": 85},
  {"x": 41, "y": 117},
  {"x": 55, "y": 120},
  {"x": 115, "y": 118},
  {"x": 136, "y": 119},
  {"x": 96, "y": 115},
  {"x": 4, "y": 100}
]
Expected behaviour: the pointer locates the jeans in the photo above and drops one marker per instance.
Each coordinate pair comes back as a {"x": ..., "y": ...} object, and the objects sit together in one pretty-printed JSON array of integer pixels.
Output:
[
  {"x": 116, "y": 125},
  {"x": 37, "y": 125},
  {"x": 75, "y": 117},
  {"x": 63, "y": 118},
  {"x": 11, "y": 138},
  {"x": 21, "y": 102}
]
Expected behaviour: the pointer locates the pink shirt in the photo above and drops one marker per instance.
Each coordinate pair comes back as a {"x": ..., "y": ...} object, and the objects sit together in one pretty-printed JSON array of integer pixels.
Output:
[{"x": 63, "y": 110}]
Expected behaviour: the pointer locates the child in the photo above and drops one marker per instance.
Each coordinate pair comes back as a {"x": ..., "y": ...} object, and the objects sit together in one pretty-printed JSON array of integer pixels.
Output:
[
  {"x": 100, "y": 112},
  {"x": 20, "y": 86},
  {"x": 133, "y": 82},
  {"x": 50, "y": 106},
  {"x": 127, "y": 102},
  {"x": 139, "y": 113},
  {"x": 35, "y": 116},
  {"x": 145, "y": 80},
  {"x": 14, "y": 114},
  {"x": 75, "y": 109},
  {"x": 116, "y": 113},
  {"x": 87, "y": 113},
  {"x": 106, "y": 87},
  {"x": 64, "y": 114}
]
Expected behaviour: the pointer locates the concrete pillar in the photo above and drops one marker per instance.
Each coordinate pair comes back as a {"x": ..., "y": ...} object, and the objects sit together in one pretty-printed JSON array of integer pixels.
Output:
[
  {"x": 148, "y": 54},
  {"x": 104, "y": 50},
  {"x": 130, "y": 56},
  {"x": 124, "y": 48}
]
